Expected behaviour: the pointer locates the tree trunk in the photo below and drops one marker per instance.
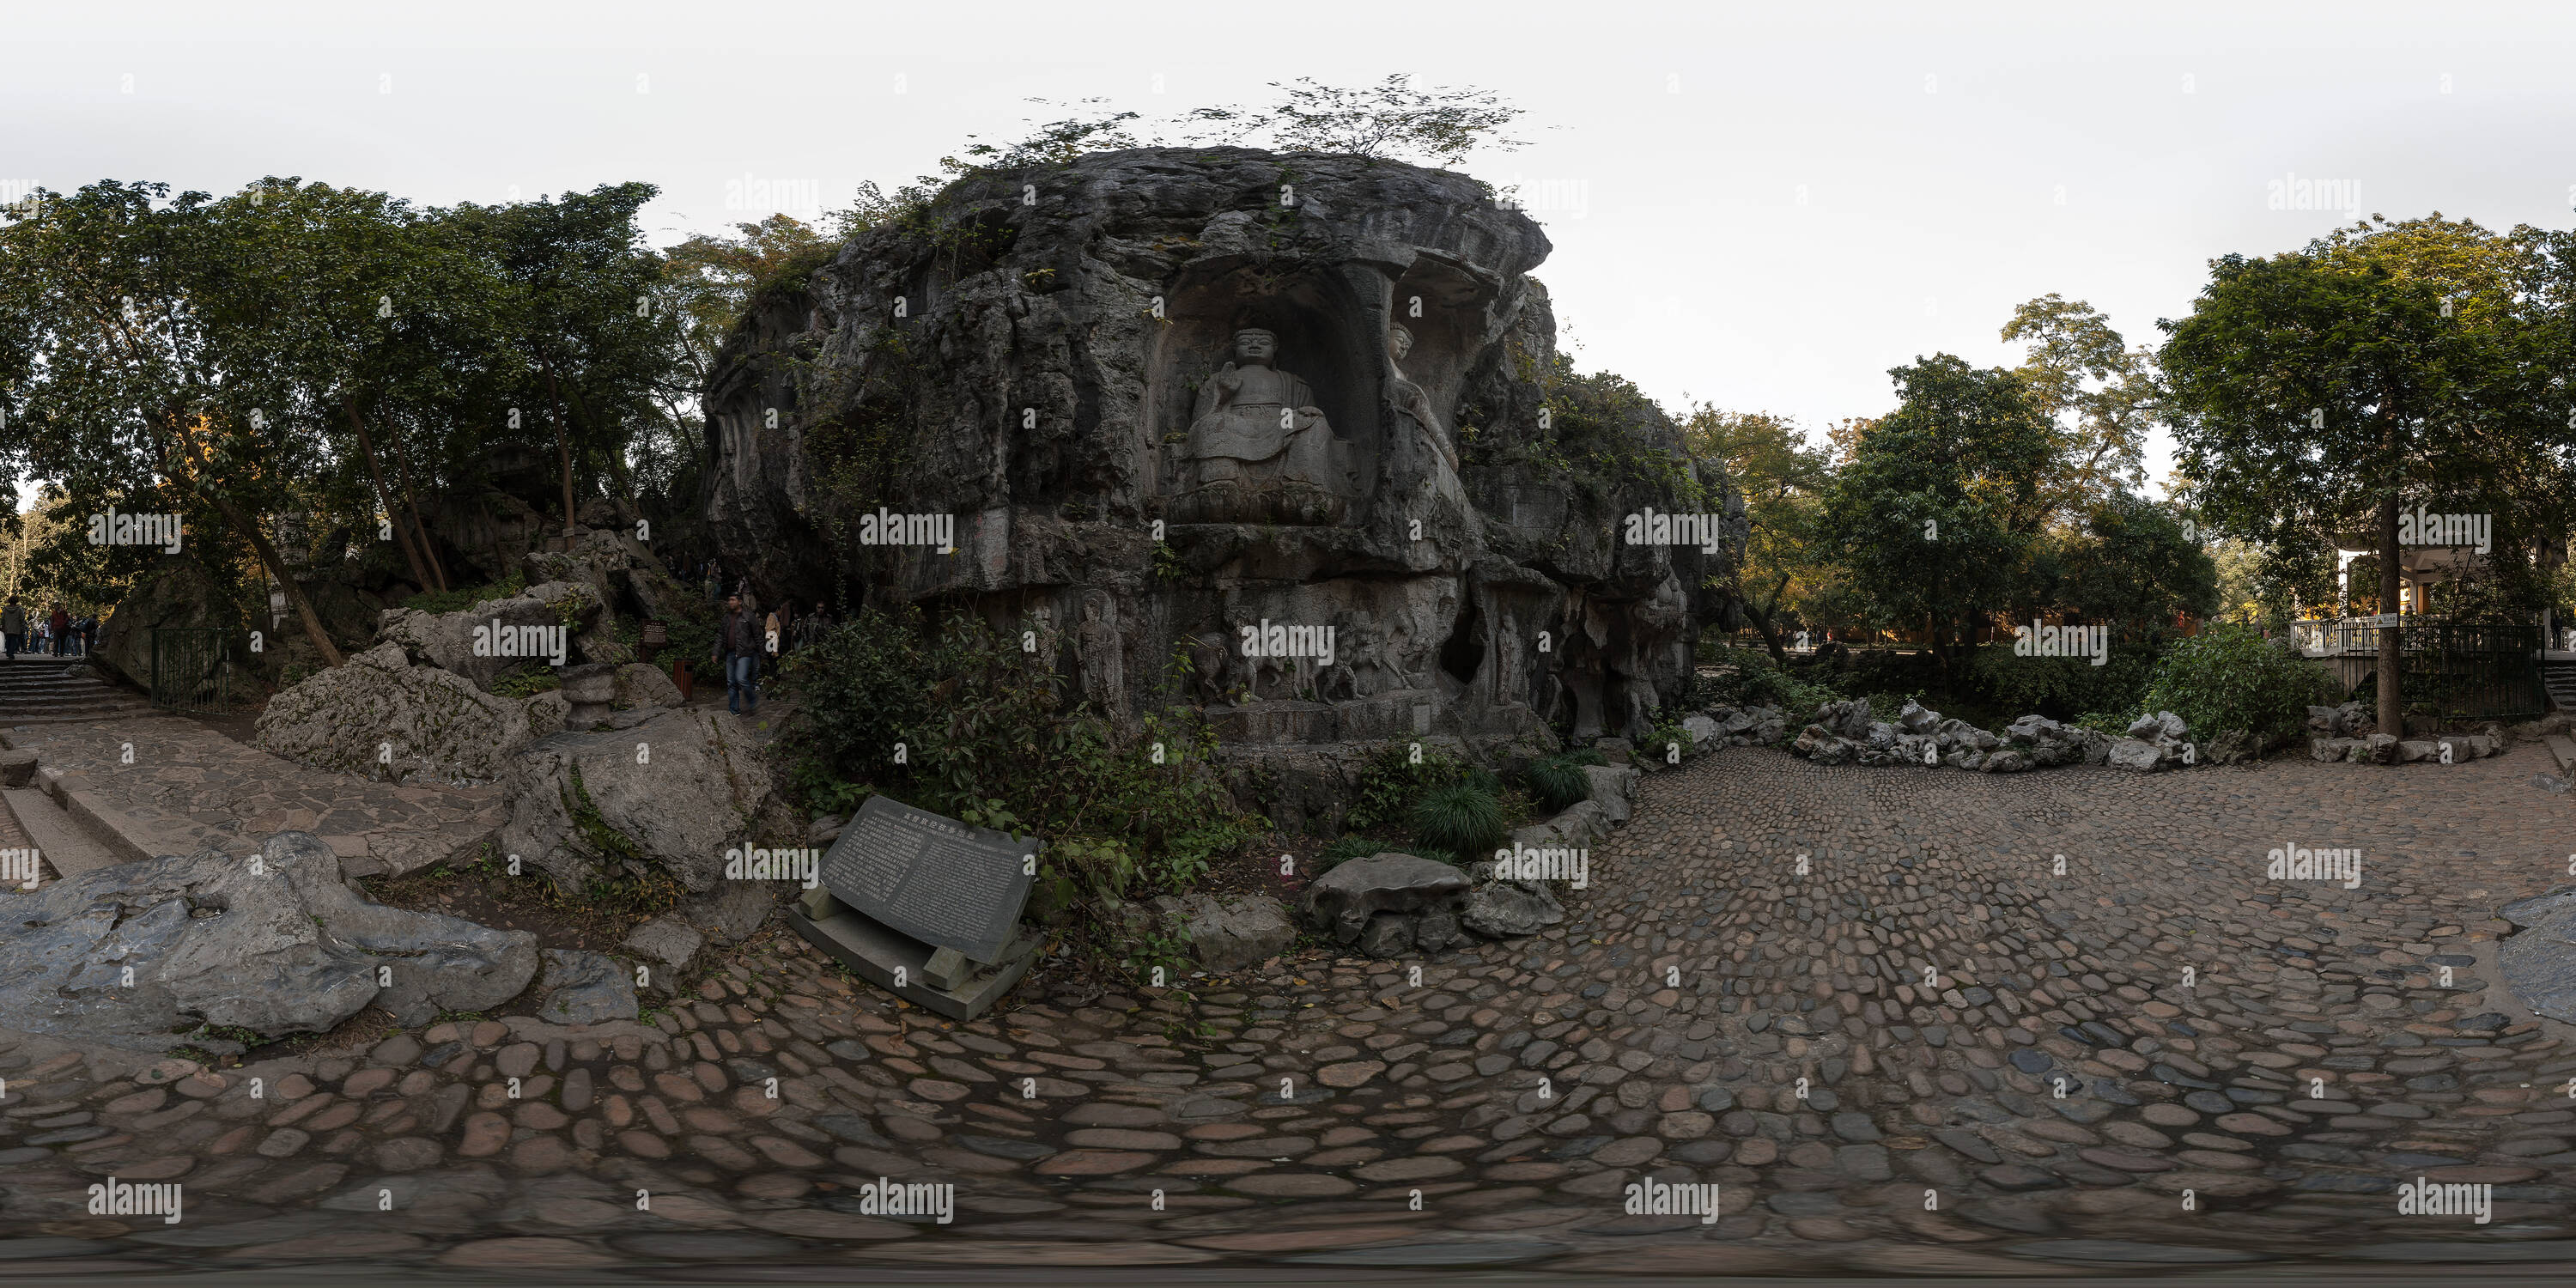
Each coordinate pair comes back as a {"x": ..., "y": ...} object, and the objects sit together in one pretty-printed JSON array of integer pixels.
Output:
[
  {"x": 420, "y": 530},
  {"x": 1767, "y": 625},
  {"x": 2392, "y": 707},
  {"x": 563, "y": 450},
  {"x": 259, "y": 542},
  {"x": 384, "y": 497}
]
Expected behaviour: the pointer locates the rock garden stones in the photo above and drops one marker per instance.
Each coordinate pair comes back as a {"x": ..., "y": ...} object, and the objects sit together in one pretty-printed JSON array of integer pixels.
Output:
[
  {"x": 668, "y": 794},
  {"x": 1231, "y": 933},
  {"x": 381, "y": 717},
  {"x": 1347, "y": 900},
  {"x": 586, "y": 988},
  {"x": 1510, "y": 909},
  {"x": 2538, "y": 962},
  {"x": 277, "y": 947}
]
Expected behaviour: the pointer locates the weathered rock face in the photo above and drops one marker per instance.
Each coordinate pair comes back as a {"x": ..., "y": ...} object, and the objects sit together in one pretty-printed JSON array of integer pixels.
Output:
[
  {"x": 1140, "y": 395},
  {"x": 586, "y": 988},
  {"x": 1233, "y": 933},
  {"x": 1346, "y": 899},
  {"x": 439, "y": 726},
  {"x": 284, "y": 949},
  {"x": 622, "y": 570},
  {"x": 586, "y": 804},
  {"x": 495, "y": 635},
  {"x": 2538, "y": 962}
]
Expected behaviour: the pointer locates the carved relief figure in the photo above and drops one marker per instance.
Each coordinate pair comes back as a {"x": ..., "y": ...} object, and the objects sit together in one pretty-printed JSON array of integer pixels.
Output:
[
  {"x": 1102, "y": 657},
  {"x": 1411, "y": 400},
  {"x": 1261, "y": 449}
]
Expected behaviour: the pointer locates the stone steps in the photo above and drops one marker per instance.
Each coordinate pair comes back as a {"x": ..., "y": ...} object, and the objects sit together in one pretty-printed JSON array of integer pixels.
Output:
[
  {"x": 2559, "y": 678},
  {"x": 34, "y": 692},
  {"x": 68, "y": 847}
]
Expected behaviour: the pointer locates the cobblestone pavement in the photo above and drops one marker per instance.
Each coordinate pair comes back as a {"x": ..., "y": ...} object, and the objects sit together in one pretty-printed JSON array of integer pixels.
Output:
[
  {"x": 1297, "y": 1114},
  {"x": 188, "y": 785}
]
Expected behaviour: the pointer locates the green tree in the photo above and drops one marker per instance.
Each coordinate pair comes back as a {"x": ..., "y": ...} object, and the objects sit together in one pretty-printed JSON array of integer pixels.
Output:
[
  {"x": 2098, "y": 392},
  {"x": 2314, "y": 393},
  {"x": 2134, "y": 563},
  {"x": 1438, "y": 126},
  {"x": 1782, "y": 480},
  {"x": 589, "y": 341},
  {"x": 1934, "y": 516},
  {"x": 144, "y": 386}
]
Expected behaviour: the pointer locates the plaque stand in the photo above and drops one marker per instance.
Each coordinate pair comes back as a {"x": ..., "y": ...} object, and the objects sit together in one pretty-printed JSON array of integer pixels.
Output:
[{"x": 942, "y": 980}]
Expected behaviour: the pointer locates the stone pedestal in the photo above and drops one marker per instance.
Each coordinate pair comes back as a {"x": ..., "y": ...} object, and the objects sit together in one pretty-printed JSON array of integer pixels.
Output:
[{"x": 942, "y": 980}]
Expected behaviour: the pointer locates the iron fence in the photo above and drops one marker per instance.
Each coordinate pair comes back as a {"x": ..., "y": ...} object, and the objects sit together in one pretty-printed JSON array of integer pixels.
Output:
[
  {"x": 192, "y": 671},
  {"x": 2471, "y": 671}
]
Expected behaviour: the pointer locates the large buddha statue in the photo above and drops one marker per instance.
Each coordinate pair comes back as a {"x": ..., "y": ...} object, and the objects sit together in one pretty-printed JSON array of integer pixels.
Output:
[{"x": 1261, "y": 449}]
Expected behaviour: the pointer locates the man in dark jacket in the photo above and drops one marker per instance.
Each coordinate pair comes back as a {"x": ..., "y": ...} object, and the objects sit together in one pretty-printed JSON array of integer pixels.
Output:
[
  {"x": 738, "y": 648},
  {"x": 13, "y": 629}
]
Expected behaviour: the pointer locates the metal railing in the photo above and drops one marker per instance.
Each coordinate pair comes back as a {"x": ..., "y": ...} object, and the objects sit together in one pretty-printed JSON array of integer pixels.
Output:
[
  {"x": 191, "y": 670},
  {"x": 2475, "y": 671}
]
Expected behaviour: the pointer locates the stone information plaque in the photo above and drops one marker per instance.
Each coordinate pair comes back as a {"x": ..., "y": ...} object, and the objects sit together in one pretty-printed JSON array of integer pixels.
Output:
[{"x": 945, "y": 883}]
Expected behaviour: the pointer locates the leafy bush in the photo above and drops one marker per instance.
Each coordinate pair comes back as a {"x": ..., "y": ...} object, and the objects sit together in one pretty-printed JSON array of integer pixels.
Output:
[
  {"x": 1557, "y": 782},
  {"x": 1663, "y": 736},
  {"x": 987, "y": 737},
  {"x": 1754, "y": 681},
  {"x": 2062, "y": 687},
  {"x": 1346, "y": 847},
  {"x": 458, "y": 600},
  {"x": 2230, "y": 677},
  {"x": 526, "y": 680},
  {"x": 1462, "y": 819},
  {"x": 1394, "y": 780}
]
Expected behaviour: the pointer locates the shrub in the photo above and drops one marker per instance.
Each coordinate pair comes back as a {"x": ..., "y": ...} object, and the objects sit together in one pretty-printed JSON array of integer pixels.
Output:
[
  {"x": 2229, "y": 677},
  {"x": 2062, "y": 687},
  {"x": 1349, "y": 846},
  {"x": 1663, "y": 736},
  {"x": 462, "y": 598},
  {"x": 988, "y": 738},
  {"x": 1394, "y": 780},
  {"x": 1462, "y": 819},
  {"x": 1557, "y": 782},
  {"x": 1757, "y": 682},
  {"x": 526, "y": 680}
]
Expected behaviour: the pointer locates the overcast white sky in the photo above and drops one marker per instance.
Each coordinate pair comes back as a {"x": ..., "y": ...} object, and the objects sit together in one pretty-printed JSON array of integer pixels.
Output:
[{"x": 1954, "y": 159}]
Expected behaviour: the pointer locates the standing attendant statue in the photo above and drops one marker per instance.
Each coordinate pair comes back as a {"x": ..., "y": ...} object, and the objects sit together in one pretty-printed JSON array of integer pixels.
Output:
[{"x": 1411, "y": 400}]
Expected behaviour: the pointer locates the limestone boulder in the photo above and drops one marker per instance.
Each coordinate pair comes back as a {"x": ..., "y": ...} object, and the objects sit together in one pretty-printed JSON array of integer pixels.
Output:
[
  {"x": 2538, "y": 961},
  {"x": 667, "y": 795},
  {"x": 449, "y": 640},
  {"x": 2332, "y": 751},
  {"x": 378, "y": 716},
  {"x": 278, "y": 946},
  {"x": 586, "y": 988},
  {"x": 1230, "y": 934},
  {"x": 641, "y": 685},
  {"x": 1510, "y": 909},
  {"x": 1613, "y": 788},
  {"x": 622, "y": 570},
  {"x": 2137, "y": 754},
  {"x": 667, "y": 946},
  {"x": 1577, "y": 826},
  {"x": 1342, "y": 901}
]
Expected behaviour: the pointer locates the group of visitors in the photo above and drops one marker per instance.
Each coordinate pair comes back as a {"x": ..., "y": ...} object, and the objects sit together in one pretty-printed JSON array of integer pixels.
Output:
[
  {"x": 56, "y": 633},
  {"x": 749, "y": 643}
]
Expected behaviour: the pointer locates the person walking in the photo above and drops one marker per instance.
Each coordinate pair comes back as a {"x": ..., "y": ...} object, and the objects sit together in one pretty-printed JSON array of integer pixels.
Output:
[
  {"x": 13, "y": 629},
  {"x": 89, "y": 634},
  {"x": 61, "y": 626},
  {"x": 737, "y": 648}
]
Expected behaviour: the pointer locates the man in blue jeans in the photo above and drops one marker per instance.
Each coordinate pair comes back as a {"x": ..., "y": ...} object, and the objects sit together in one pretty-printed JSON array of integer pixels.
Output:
[{"x": 738, "y": 645}]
